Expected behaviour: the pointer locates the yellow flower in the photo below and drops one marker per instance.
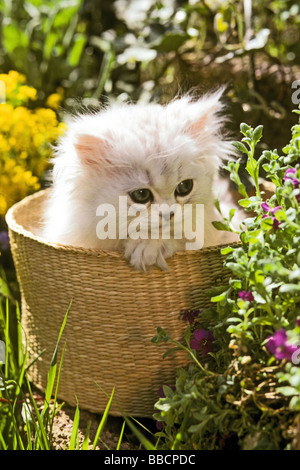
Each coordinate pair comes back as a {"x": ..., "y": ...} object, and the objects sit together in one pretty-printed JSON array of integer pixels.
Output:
[
  {"x": 26, "y": 136},
  {"x": 3, "y": 204},
  {"x": 27, "y": 92},
  {"x": 54, "y": 100},
  {"x": 16, "y": 92}
]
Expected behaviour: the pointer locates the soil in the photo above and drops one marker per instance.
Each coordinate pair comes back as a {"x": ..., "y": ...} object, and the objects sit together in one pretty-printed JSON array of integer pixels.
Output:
[{"x": 63, "y": 424}]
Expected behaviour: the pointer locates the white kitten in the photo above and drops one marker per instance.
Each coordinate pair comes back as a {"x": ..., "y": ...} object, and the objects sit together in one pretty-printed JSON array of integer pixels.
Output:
[{"x": 150, "y": 154}]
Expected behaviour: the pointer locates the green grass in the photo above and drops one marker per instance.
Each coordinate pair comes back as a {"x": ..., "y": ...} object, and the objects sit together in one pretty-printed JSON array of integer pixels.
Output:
[{"x": 24, "y": 424}]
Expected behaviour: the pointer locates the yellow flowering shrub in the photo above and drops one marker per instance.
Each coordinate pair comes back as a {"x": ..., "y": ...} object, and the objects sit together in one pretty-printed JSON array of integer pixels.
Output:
[{"x": 26, "y": 136}]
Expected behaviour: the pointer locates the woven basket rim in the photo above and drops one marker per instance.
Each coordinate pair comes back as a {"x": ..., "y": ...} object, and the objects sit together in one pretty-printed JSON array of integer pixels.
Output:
[{"x": 18, "y": 228}]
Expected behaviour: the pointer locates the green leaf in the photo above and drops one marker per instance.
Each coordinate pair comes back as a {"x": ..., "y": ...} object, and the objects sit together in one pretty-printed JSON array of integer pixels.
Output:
[
  {"x": 245, "y": 202},
  {"x": 121, "y": 436},
  {"x": 261, "y": 321},
  {"x": 53, "y": 365},
  {"x": 241, "y": 147},
  {"x": 287, "y": 391},
  {"x": 251, "y": 167},
  {"x": 162, "y": 336},
  {"x": 85, "y": 444},
  {"x": 140, "y": 436},
  {"x": 295, "y": 403},
  {"x": 4, "y": 289},
  {"x": 257, "y": 134},
  {"x": 221, "y": 226},
  {"x": 242, "y": 190},
  {"x": 227, "y": 250},
  {"x": 216, "y": 290},
  {"x": 290, "y": 288},
  {"x": 77, "y": 49},
  {"x": 170, "y": 351},
  {"x": 13, "y": 37},
  {"x": 74, "y": 434},
  {"x": 103, "y": 420},
  {"x": 220, "y": 297},
  {"x": 171, "y": 42},
  {"x": 244, "y": 128},
  {"x": 236, "y": 268},
  {"x": 49, "y": 44},
  {"x": 267, "y": 223}
]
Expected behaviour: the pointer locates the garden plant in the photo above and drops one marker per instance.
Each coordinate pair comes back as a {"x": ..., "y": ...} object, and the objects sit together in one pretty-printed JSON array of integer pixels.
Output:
[{"x": 241, "y": 389}]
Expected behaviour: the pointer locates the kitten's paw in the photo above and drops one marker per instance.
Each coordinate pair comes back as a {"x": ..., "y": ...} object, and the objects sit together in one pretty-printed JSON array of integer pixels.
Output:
[{"x": 145, "y": 253}]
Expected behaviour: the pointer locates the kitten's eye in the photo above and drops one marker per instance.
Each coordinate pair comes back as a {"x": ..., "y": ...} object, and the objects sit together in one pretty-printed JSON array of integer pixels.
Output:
[
  {"x": 184, "y": 188},
  {"x": 141, "y": 196}
]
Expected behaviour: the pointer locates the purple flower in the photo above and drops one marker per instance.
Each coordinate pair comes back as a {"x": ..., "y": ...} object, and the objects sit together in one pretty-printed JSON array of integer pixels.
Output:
[
  {"x": 276, "y": 223},
  {"x": 266, "y": 207},
  {"x": 289, "y": 176},
  {"x": 202, "y": 340},
  {"x": 269, "y": 209},
  {"x": 190, "y": 315},
  {"x": 246, "y": 295},
  {"x": 275, "y": 209},
  {"x": 4, "y": 241},
  {"x": 160, "y": 425},
  {"x": 279, "y": 347},
  {"x": 298, "y": 321}
]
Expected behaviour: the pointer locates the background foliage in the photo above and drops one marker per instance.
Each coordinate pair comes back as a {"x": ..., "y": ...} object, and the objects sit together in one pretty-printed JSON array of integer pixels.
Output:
[
  {"x": 146, "y": 49},
  {"x": 79, "y": 53},
  {"x": 60, "y": 55}
]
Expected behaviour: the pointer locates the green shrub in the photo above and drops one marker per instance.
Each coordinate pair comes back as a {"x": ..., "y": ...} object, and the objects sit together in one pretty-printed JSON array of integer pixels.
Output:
[{"x": 242, "y": 387}]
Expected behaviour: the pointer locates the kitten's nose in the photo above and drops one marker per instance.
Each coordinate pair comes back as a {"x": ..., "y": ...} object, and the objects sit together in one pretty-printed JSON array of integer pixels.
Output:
[{"x": 167, "y": 216}]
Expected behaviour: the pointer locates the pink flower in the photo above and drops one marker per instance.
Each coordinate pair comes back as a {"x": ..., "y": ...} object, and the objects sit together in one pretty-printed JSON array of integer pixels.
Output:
[
  {"x": 202, "y": 340},
  {"x": 279, "y": 347},
  {"x": 190, "y": 315},
  {"x": 266, "y": 207},
  {"x": 270, "y": 211},
  {"x": 246, "y": 295},
  {"x": 289, "y": 176}
]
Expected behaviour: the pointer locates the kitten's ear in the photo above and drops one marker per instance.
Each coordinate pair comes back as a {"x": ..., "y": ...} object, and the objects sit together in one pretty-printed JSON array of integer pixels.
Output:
[
  {"x": 92, "y": 150},
  {"x": 207, "y": 114}
]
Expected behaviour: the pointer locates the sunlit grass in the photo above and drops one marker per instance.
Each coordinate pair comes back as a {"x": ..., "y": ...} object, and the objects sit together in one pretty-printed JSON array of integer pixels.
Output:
[{"x": 24, "y": 423}]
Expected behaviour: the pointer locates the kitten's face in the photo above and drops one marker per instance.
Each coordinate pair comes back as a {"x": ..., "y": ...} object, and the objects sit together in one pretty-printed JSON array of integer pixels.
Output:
[
  {"x": 155, "y": 179},
  {"x": 152, "y": 155},
  {"x": 155, "y": 160}
]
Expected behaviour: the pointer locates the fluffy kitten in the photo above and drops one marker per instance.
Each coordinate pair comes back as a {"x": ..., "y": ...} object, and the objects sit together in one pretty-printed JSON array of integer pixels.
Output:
[{"x": 151, "y": 154}]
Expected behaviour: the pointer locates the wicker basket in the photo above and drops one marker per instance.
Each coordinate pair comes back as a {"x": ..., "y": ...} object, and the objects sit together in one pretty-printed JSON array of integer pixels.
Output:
[{"x": 114, "y": 314}]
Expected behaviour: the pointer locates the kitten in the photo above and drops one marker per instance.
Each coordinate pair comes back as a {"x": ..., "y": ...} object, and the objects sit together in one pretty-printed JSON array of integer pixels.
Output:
[{"x": 149, "y": 154}]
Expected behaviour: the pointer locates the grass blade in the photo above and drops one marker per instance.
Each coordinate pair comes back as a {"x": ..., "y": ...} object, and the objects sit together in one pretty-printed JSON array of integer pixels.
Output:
[
  {"x": 74, "y": 435},
  {"x": 121, "y": 436},
  {"x": 53, "y": 365},
  {"x": 103, "y": 420},
  {"x": 3, "y": 445},
  {"x": 7, "y": 339},
  {"x": 142, "y": 439},
  {"x": 41, "y": 433},
  {"x": 85, "y": 444}
]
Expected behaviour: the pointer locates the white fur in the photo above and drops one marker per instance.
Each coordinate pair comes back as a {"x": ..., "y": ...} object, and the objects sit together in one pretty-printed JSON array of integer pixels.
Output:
[{"x": 138, "y": 146}]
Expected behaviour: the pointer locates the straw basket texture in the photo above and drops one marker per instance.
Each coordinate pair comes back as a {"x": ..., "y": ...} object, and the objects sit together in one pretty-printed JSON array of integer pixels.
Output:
[{"x": 114, "y": 314}]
